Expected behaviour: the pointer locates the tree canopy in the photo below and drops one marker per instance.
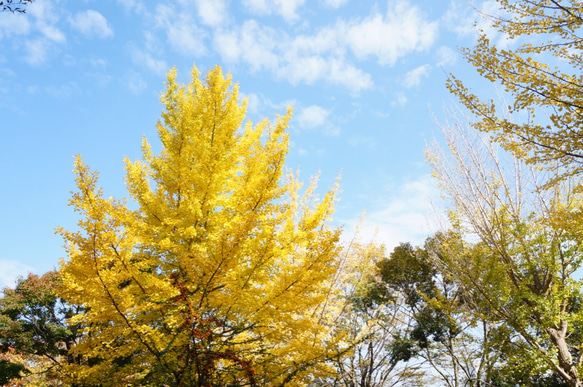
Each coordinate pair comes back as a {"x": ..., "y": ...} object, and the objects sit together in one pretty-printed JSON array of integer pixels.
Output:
[
  {"x": 35, "y": 336},
  {"x": 219, "y": 270},
  {"x": 514, "y": 248}
]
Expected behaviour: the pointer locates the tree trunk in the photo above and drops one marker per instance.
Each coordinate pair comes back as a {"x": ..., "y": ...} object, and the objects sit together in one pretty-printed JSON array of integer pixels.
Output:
[{"x": 566, "y": 368}]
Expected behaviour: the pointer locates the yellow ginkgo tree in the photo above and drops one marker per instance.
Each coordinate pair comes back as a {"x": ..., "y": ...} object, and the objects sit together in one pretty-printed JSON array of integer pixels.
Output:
[{"x": 218, "y": 270}]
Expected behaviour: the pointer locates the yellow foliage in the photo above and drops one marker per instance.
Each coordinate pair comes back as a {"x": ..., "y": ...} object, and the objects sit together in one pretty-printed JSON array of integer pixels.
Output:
[
  {"x": 223, "y": 271},
  {"x": 541, "y": 70}
]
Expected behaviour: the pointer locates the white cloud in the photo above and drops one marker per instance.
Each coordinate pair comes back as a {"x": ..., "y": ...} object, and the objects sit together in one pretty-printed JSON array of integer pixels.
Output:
[
  {"x": 284, "y": 8},
  {"x": 182, "y": 32},
  {"x": 406, "y": 213},
  {"x": 11, "y": 270},
  {"x": 136, "y": 83},
  {"x": 39, "y": 27},
  {"x": 227, "y": 45},
  {"x": 257, "y": 6},
  {"x": 133, "y": 5},
  {"x": 287, "y": 8},
  {"x": 252, "y": 44},
  {"x": 98, "y": 62},
  {"x": 45, "y": 20},
  {"x": 312, "y": 116},
  {"x": 329, "y": 40},
  {"x": 413, "y": 77},
  {"x": 400, "y": 100},
  {"x": 303, "y": 59},
  {"x": 43, "y": 10},
  {"x": 403, "y": 30},
  {"x": 310, "y": 69},
  {"x": 330, "y": 54},
  {"x": 212, "y": 12},
  {"x": 186, "y": 38},
  {"x": 13, "y": 24},
  {"x": 145, "y": 58},
  {"x": 36, "y": 51},
  {"x": 91, "y": 23},
  {"x": 52, "y": 33},
  {"x": 335, "y": 3},
  {"x": 446, "y": 56}
]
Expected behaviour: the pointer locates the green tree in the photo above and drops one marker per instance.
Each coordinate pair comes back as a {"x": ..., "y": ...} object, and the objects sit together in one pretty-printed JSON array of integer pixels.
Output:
[
  {"x": 34, "y": 332},
  {"x": 456, "y": 344},
  {"x": 373, "y": 322},
  {"x": 542, "y": 72},
  {"x": 220, "y": 272},
  {"x": 515, "y": 248}
]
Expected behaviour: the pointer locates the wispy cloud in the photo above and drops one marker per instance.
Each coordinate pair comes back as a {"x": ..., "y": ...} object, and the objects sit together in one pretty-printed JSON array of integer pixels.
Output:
[
  {"x": 447, "y": 56},
  {"x": 409, "y": 212},
  {"x": 388, "y": 38},
  {"x": 46, "y": 19},
  {"x": 136, "y": 83},
  {"x": 400, "y": 100},
  {"x": 182, "y": 32},
  {"x": 413, "y": 78},
  {"x": 316, "y": 117},
  {"x": 335, "y": 3},
  {"x": 284, "y": 8},
  {"x": 38, "y": 31},
  {"x": 212, "y": 12},
  {"x": 252, "y": 44},
  {"x": 312, "y": 116},
  {"x": 91, "y": 23},
  {"x": 301, "y": 59},
  {"x": 13, "y": 24},
  {"x": 146, "y": 59},
  {"x": 36, "y": 51},
  {"x": 331, "y": 54}
]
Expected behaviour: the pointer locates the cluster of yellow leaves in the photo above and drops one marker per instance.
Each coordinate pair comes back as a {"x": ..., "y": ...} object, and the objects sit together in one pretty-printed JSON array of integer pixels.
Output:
[
  {"x": 224, "y": 269},
  {"x": 542, "y": 90}
]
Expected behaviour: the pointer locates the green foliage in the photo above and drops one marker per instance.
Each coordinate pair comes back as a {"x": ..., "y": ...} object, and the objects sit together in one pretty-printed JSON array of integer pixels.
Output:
[
  {"x": 514, "y": 249},
  {"x": 10, "y": 371},
  {"x": 33, "y": 324}
]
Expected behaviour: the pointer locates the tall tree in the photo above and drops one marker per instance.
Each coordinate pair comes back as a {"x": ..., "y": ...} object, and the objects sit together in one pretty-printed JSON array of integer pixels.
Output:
[
  {"x": 373, "y": 321},
  {"x": 515, "y": 248},
  {"x": 542, "y": 71},
  {"x": 220, "y": 271},
  {"x": 452, "y": 342}
]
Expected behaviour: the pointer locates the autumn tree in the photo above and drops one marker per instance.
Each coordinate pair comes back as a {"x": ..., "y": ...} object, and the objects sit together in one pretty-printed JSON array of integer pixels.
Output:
[
  {"x": 514, "y": 249},
  {"x": 540, "y": 66},
  {"x": 219, "y": 271},
  {"x": 34, "y": 333}
]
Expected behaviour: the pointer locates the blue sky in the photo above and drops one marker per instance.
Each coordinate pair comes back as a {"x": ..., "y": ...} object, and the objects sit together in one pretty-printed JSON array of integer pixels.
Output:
[{"x": 365, "y": 79}]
